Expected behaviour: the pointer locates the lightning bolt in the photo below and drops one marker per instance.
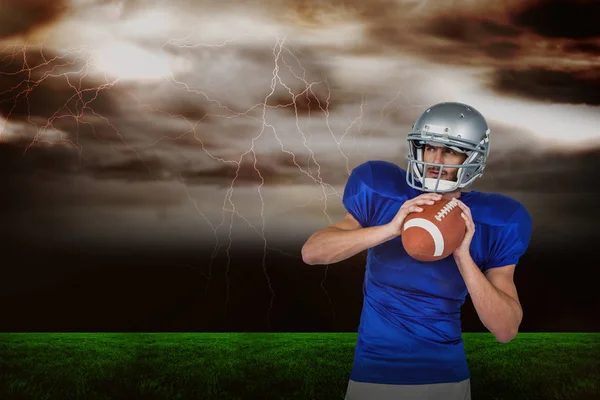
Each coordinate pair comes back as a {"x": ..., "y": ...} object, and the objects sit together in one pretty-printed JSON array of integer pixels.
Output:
[
  {"x": 228, "y": 205},
  {"x": 74, "y": 107},
  {"x": 79, "y": 106}
]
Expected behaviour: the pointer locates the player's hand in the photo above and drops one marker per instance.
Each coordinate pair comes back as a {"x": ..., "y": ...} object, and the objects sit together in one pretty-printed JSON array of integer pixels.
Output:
[
  {"x": 411, "y": 206},
  {"x": 463, "y": 250}
]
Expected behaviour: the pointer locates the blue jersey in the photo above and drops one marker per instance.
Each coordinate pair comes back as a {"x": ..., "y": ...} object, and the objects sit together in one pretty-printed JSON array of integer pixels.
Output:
[{"x": 410, "y": 330}]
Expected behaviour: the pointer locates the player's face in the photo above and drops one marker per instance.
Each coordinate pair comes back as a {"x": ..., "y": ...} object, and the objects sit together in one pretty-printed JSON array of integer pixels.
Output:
[{"x": 442, "y": 155}]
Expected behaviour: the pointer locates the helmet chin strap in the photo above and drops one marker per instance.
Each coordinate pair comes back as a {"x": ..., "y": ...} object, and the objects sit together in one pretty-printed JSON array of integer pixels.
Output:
[{"x": 443, "y": 185}]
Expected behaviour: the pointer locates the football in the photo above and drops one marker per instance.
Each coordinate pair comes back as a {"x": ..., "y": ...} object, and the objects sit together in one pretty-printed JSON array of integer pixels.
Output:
[{"x": 435, "y": 232}]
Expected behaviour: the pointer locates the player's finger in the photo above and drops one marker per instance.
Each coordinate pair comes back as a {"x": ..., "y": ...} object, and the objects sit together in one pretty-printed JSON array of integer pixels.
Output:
[
  {"x": 467, "y": 211},
  {"x": 463, "y": 206},
  {"x": 422, "y": 200},
  {"x": 466, "y": 218},
  {"x": 432, "y": 196},
  {"x": 470, "y": 225},
  {"x": 414, "y": 202}
]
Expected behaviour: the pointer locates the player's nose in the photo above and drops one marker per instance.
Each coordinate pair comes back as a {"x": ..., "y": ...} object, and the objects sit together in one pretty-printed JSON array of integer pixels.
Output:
[{"x": 438, "y": 156}]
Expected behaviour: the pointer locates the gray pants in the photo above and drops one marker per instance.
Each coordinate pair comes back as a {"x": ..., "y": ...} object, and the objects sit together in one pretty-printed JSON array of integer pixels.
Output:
[{"x": 437, "y": 391}]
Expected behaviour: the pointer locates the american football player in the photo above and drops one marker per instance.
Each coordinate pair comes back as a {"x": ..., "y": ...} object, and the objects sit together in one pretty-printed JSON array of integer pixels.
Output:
[{"x": 409, "y": 342}]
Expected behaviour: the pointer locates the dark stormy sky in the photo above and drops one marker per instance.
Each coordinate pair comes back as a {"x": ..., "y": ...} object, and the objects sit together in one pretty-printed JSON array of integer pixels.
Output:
[
  {"x": 185, "y": 122},
  {"x": 197, "y": 124}
]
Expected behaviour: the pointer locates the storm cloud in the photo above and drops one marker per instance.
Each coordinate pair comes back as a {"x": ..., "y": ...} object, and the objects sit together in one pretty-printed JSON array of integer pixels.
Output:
[
  {"x": 191, "y": 106},
  {"x": 561, "y": 18},
  {"x": 37, "y": 82},
  {"x": 24, "y": 17},
  {"x": 550, "y": 86}
]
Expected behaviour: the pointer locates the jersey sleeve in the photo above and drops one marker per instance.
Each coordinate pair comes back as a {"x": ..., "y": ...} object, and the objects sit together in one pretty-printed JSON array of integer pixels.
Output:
[
  {"x": 512, "y": 241},
  {"x": 357, "y": 198}
]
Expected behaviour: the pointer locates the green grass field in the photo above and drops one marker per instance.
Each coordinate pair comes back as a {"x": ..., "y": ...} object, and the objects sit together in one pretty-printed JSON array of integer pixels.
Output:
[{"x": 271, "y": 366}]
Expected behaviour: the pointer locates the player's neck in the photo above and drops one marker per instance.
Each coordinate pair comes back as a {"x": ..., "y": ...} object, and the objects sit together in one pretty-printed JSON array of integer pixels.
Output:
[{"x": 451, "y": 195}]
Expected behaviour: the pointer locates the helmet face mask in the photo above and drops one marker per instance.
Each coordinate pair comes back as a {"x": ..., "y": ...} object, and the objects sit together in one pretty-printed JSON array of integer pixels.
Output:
[{"x": 453, "y": 125}]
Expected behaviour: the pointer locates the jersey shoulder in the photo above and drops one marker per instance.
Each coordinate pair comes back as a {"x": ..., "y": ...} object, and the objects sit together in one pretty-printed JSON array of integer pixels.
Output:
[
  {"x": 497, "y": 209},
  {"x": 373, "y": 188},
  {"x": 384, "y": 179},
  {"x": 506, "y": 233}
]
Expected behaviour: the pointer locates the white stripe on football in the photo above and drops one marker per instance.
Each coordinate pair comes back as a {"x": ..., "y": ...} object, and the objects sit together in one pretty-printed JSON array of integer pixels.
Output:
[{"x": 433, "y": 230}]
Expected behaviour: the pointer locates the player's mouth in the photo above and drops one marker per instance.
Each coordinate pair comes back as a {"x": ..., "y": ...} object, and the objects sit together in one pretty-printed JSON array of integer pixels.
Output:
[{"x": 434, "y": 173}]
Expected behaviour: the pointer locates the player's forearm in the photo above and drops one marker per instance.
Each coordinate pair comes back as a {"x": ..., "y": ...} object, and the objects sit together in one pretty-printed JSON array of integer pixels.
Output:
[
  {"x": 499, "y": 313},
  {"x": 331, "y": 245}
]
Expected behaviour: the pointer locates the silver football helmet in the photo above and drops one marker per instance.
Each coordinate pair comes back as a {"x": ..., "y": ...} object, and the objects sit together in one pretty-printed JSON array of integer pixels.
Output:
[{"x": 458, "y": 126}]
